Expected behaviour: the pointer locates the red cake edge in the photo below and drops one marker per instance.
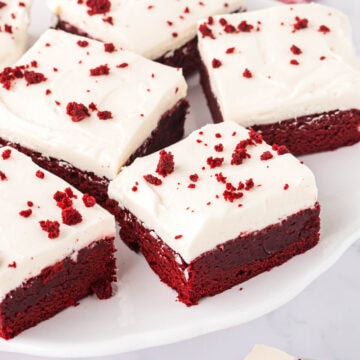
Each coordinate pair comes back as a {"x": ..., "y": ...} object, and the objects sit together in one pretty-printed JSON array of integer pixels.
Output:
[
  {"x": 302, "y": 135},
  {"x": 230, "y": 263},
  {"x": 58, "y": 287},
  {"x": 169, "y": 130}
]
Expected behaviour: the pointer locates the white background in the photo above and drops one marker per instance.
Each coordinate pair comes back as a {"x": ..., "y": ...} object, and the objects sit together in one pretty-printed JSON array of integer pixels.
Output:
[{"x": 321, "y": 323}]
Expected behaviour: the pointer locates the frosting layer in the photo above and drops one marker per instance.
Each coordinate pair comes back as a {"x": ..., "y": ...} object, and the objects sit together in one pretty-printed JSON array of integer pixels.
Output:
[
  {"x": 280, "y": 63},
  {"x": 206, "y": 200},
  {"x": 124, "y": 96},
  {"x": 14, "y": 22},
  {"x": 148, "y": 27},
  {"x": 262, "y": 352},
  {"x": 26, "y": 197}
]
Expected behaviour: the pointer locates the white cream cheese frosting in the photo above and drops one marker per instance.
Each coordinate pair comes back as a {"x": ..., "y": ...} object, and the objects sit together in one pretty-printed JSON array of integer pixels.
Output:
[
  {"x": 25, "y": 248},
  {"x": 14, "y": 22},
  {"x": 137, "y": 92},
  {"x": 148, "y": 27},
  {"x": 279, "y": 70},
  {"x": 262, "y": 352},
  {"x": 195, "y": 219}
]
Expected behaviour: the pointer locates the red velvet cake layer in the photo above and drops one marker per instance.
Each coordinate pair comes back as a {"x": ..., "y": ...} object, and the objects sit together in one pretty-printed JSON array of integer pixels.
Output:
[
  {"x": 229, "y": 264},
  {"x": 302, "y": 135},
  {"x": 170, "y": 129},
  {"x": 58, "y": 287},
  {"x": 186, "y": 57}
]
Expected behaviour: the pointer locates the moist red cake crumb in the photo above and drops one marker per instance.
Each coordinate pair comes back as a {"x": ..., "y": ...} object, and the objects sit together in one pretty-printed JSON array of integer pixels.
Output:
[
  {"x": 324, "y": 29},
  {"x": 3, "y": 176},
  {"x": 100, "y": 70},
  {"x": 206, "y": 31},
  {"x": 300, "y": 24},
  {"x": 33, "y": 77},
  {"x": 83, "y": 43},
  {"x": 51, "y": 227},
  {"x": 294, "y": 62},
  {"x": 2, "y": 4},
  {"x": 266, "y": 155},
  {"x": 98, "y": 6},
  {"x": 216, "y": 63},
  {"x": 104, "y": 115},
  {"x": 219, "y": 147},
  {"x": 245, "y": 27},
  {"x": 247, "y": 74},
  {"x": 153, "y": 180},
  {"x": 88, "y": 200},
  {"x": 40, "y": 174},
  {"x": 6, "y": 154},
  {"x": 122, "y": 65},
  {"x": 230, "y": 50},
  {"x": 77, "y": 111},
  {"x": 295, "y": 50},
  {"x": 25, "y": 213},
  {"x": 166, "y": 163},
  {"x": 71, "y": 216},
  {"x": 109, "y": 47},
  {"x": 194, "y": 177},
  {"x": 214, "y": 162}
]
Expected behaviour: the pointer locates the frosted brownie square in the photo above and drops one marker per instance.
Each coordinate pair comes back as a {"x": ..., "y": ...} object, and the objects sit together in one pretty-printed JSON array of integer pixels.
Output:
[
  {"x": 82, "y": 108},
  {"x": 290, "y": 72},
  {"x": 164, "y": 30},
  {"x": 56, "y": 245},
  {"x": 14, "y": 22},
  {"x": 216, "y": 209}
]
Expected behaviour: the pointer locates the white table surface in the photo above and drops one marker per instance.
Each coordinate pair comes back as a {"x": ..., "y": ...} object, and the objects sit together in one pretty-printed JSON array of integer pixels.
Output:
[{"x": 321, "y": 323}]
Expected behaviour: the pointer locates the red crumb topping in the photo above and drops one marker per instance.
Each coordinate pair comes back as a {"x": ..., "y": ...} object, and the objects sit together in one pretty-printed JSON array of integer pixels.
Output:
[
  {"x": 247, "y": 74},
  {"x": 64, "y": 202},
  {"x": 216, "y": 63},
  {"x": 123, "y": 65},
  {"x": 30, "y": 204},
  {"x": 40, "y": 174},
  {"x": 33, "y": 77},
  {"x": 230, "y": 50},
  {"x": 232, "y": 195},
  {"x": 12, "y": 265},
  {"x": 249, "y": 184},
  {"x": 218, "y": 135},
  {"x": 153, "y": 180},
  {"x": 8, "y": 28},
  {"x": 166, "y": 163},
  {"x": 295, "y": 50},
  {"x": 92, "y": 106},
  {"x": 109, "y": 47},
  {"x": 34, "y": 64},
  {"x": 134, "y": 188},
  {"x": 266, "y": 155},
  {"x": 220, "y": 178},
  {"x": 219, "y": 147},
  {"x": 239, "y": 155},
  {"x": 25, "y": 213},
  {"x": 194, "y": 177},
  {"x": 280, "y": 149},
  {"x": 245, "y": 27},
  {"x": 104, "y": 115},
  {"x": 71, "y": 216},
  {"x": 206, "y": 31},
  {"x": 177, "y": 237},
  {"x": 294, "y": 62},
  {"x": 324, "y": 29},
  {"x": 255, "y": 136},
  {"x": 300, "y": 24},
  {"x": 286, "y": 186},
  {"x": 2, "y": 4},
  {"x": 83, "y": 43},
  {"x": 214, "y": 162},
  {"x": 191, "y": 186},
  {"x": 3, "y": 176},
  {"x": 47, "y": 92},
  {"x": 88, "y": 200},
  {"x": 70, "y": 193},
  {"x": 174, "y": 34},
  {"x": 77, "y": 111},
  {"x": 51, "y": 227},
  {"x": 98, "y": 6},
  {"x": 6, "y": 154},
  {"x": 322, "y": 58},
  {"x": 100, "y": 70}
]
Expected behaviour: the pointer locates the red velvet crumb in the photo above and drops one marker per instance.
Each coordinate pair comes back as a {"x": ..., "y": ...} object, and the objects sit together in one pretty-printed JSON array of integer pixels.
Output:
[
  {"x": 230, "y": 50},
  {"x": 214, "y": 162},
  {"x": 245, "y": 27},
  {"x": 177, "y": 237},
  {"x": 13, "y": 264},
  {"x": 324, "y": 29},
  {"x": 280, "y": 149},
  {"x": 33, "y": 77},
  {"x": 98, "y": 6},
  {"x": 71, "y": 216},
  {"x": 2, "y": 4},
  {"x": 216, "y": 63},
  {"x": 286, "y": 186},
  {"x": 3, "y": 176},
  {"x": 192, "y": 186},
  {"x": 206, "y": 31},
  {"x": 100, "y": 70},
  {"x": 83, "y": 43},
  {"x": 166, "y": 163},
  {"x": 266, "y": 155},
  {"x": 300, "y": 24},
  {"x": 6, "y": 154},
  {"x": 153, "y": 180},
  {"x": 295, "y": 50},
  {"x": 25, "y": 213},
  {"x": 51, "y": 227},
  {"x": 194, "y": 177},
  {"x": 109, "y": 47},
  {"x": 247, "y": 74},
  {"x": 122, "y": 65},
  {"x": 220, "y": 178},
  {"x": 40, "y": 174},
  {"x": 294, "y": 62},
  {"x": 88, "y": 200},
  {"x": 77, "y": 111},
  {"x": 104, "y": 115},
  {"x": 249, "y": 184},
  {"x": 219, "y": 147},
  {"x": 30, "y": 204},
  {"x": 255, "y": 136}
]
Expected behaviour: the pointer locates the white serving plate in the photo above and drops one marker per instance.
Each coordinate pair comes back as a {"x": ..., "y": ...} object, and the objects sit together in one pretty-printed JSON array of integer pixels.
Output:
[{"x": 144, "y": 312}]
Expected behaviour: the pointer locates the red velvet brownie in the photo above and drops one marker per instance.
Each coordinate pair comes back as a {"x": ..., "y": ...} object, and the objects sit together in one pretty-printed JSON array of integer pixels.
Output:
[
  {"x": 14, "y": 22},
  {"x": 208, "y": 222},
  {"x": 300, "y": 90},
  {"x": 164, "y": 30},
  {"x": 82, "y": 109},
  {"x": 56, "y": 245}
]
